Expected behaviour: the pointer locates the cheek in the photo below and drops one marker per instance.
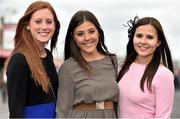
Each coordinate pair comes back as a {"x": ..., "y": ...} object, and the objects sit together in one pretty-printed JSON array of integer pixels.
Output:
[
  {"x": 53, "y": 31},
  {"x": 135, "y": 45},
  {"x": 53, "y": 28},
  {"x": 135, "y": 42},
  {"x": 97, "y": 37},
  {"x": 78, "y": 41},
  {"x": 154, "y": 47},
  {"x": 154, "y": 44}
]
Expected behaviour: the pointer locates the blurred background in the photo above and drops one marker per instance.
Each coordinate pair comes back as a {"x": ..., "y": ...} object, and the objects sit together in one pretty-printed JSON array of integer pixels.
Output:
[{"x": 112, "y": 15}]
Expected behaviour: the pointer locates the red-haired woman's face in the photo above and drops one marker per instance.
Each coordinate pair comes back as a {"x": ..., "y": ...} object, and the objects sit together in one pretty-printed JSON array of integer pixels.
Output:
[{"x": 42, "y": 26}]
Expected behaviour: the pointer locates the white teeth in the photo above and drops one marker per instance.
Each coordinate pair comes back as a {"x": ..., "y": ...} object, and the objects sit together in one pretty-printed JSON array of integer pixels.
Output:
[
  {"x": 43, "y": 33},
  {"x": 143, "y": 48},
  {"x": 88, "y": 44}
]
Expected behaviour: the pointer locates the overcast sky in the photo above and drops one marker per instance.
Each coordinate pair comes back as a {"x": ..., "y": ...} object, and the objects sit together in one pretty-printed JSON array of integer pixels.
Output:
[{"x": 112, "y": 14}]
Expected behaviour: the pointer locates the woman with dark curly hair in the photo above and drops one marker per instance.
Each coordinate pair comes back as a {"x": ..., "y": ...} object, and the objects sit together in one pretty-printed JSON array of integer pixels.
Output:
[{"x": 146, "y": 77}]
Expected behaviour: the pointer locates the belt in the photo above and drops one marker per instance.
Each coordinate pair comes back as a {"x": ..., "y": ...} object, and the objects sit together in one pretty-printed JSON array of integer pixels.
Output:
[{"x": 94, "y": 105}]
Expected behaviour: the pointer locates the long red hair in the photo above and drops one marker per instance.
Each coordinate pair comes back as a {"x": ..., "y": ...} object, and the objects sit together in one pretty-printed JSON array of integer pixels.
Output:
[{"x": 25, "y": 44}]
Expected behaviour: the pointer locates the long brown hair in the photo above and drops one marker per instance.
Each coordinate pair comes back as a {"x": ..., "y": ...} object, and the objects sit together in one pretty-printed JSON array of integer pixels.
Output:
[
  {"x": 71, "y": 49},
  {"x": 25, "y": 44},
  {"x": 161, "y": 54}
]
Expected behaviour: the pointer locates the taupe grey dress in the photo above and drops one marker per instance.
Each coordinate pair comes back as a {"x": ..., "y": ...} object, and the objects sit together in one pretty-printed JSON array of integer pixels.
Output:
[{"x": 75, "y": 87}]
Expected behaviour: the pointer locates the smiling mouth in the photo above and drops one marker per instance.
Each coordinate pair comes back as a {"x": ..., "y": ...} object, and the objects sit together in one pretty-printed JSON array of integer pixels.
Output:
[
  {"x": 143, "y": 48},
  {"x": 43, "y": 33},
  {"x": 88, "y": 43}
]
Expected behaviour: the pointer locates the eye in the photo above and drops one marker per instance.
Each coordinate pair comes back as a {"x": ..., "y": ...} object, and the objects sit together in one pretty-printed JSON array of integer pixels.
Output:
[
  {"x": 38, "y": 21},
  {"x": 150, "y": 37},
  {"x": 138, "y": 35},
  {"x": 79, "y": 34},
  {"x": 91, "y": 31},
  {"x": 49, "y": 21}
]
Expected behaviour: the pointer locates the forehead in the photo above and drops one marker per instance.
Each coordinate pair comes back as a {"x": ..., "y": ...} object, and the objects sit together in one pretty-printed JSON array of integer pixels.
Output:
[
  {"x": 43, "y": 13},
  {"x": 146, "y": 28},
  {"x": 85, "y": 25}
]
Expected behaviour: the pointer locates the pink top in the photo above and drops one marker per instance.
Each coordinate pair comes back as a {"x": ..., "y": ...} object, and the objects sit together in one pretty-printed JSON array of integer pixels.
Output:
[{"x": 133, "y": 103}]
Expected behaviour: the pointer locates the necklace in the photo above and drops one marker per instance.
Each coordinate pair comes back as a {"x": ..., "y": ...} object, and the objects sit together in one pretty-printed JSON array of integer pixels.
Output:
[
  {"x": 52, "y": 90},
  {"x": 51, "y": 87}
]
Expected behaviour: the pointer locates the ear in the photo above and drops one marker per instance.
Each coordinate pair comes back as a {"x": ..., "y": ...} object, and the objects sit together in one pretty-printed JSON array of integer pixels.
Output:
[
  {"x": 28, "y": 27},
  {"x": 159, "y": 43}
]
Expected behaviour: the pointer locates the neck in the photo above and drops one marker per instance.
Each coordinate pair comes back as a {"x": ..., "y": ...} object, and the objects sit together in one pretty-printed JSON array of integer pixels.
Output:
[
  {"x": 143, "y": 60},
  {"x": 42, "y": 50},
  {"x": 43, "y": 53},
  {"x": 93, "y": 56}
]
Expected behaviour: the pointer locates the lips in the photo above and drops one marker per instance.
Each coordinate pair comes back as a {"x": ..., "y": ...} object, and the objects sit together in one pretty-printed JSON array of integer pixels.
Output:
[
  {"x": 88, "y": 43},
  {"x": 143, "y": 48},
  {"x": 43, "y": 33}
]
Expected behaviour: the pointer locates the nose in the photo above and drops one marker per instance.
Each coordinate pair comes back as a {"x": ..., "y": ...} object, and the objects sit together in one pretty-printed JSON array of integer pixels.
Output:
[
  {"x": 44, "y": 25},
  {"x": 87, "y": 36},
  {"x": 143, "y": 40}
]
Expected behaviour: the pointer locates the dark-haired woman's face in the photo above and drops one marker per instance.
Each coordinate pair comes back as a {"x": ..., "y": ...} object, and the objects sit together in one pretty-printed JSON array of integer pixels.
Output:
[
  {"x": 146, "y": 41},
  {"x": 86, "y": 38}
]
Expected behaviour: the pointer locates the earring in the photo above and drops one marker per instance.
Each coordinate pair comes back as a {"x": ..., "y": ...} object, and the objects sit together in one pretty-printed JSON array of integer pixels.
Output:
[{"x": 27, "y": 28}]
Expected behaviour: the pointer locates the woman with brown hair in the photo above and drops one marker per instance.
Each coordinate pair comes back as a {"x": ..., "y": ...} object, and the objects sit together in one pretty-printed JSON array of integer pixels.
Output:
[
  {"x": 87, "y": 78},
  {"x": 146, "y": 88},
  {"x": 32, "y": 79}
]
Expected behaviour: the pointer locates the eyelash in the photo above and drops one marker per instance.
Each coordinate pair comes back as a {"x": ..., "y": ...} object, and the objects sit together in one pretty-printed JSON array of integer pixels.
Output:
[
  {"x": 91, "y": 32},
  {"x": 80, "y": 34},
  {"x": 140, "y": 36},
  {"x": 40, "y": 21}
]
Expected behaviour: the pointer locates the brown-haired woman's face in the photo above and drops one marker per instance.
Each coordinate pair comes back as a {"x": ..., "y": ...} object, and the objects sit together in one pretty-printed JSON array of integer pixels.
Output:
[
  {"x": 42, "y": 26},
  {"x": 86, "y": 38},
  {"x": 146, "y": 41}
]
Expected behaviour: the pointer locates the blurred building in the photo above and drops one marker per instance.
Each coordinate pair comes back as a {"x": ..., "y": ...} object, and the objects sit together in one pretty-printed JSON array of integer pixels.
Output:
[{"x": 5, "y": 47}]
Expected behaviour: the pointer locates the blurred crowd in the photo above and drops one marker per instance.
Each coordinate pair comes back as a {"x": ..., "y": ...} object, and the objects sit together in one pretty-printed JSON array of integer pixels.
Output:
[
  {"x": 177, "y": 79},
  {"x": 3, "y": 86}
]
